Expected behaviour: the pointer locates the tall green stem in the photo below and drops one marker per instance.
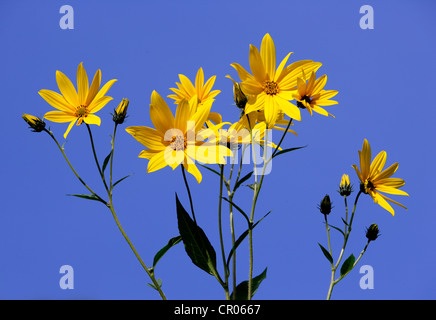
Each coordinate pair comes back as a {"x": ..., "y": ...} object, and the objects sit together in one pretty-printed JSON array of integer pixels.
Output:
[
  {"x": 189, "y": 194},
  {"x": 333, "y": 282},
  {"x": 226, "y": 272}
]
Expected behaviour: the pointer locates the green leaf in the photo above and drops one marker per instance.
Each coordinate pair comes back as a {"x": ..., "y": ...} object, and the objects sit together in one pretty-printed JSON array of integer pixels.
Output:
[
  {"x": 245, "y": 178},
  {"x": 121, "y": 180},
  {"x": 251, "y": 186},
  {"x": 239, "y": 209},
  {"x": 210, "y": 169},
  {"x": 241, "y": 238},
  {"x": 287, "y": 150},
  {"x": 242, "y": 288},
  {"x": 161, "y": 252},
  {"x": 87, "y": 196},
  {"x": 347, "y": 266},
  {"x": 197, "y": 245},
  {"x": 159, "y": 282},
  {"x": 106, "y": 161},
  {"x": 336, "y": 228},
  {"x": 326, "y": 253}
]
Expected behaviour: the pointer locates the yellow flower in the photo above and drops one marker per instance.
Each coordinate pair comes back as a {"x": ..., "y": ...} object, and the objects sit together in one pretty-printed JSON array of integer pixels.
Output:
[
  {"x": 35, "y": 123},
  {"x": 310, "y": 95},
  {"x": 203, "y": 92},
  {"x": 77, "y": 105},
  {"x": 269, "y": 88},
  {"x": 374, "y": 180},
  {"x": 178, "y": 140}
]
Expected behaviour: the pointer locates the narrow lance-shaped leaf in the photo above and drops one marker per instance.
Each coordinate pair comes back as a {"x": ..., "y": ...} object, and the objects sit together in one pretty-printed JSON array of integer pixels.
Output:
[
  {"x": 287, "y": 150},
  {"x": 87, "y": 196},
  {"x": 326, "y": 253},
  {"x": 197, "y": 245},
  {"x": 242, "y": 288},
  {"x": 241, "y": 238},
  {"x": 121, "y": 180},
  {"x": 245, "y": 178},
  {"x": 106, "y": 161},
  {"x": 171, "y": 243}
]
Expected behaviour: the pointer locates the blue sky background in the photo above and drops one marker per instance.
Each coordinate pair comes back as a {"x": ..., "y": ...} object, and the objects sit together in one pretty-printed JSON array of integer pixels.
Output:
[{"x": 385, "y": 79}]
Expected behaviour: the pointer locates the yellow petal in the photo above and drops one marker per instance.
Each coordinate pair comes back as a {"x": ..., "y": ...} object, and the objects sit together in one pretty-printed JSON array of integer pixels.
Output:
[
  {"x": 69, "y": 128},
  {"x": 182, "y": 115},
  {"x": 271, "y": 110},
  {"x": 288, "y": 108},
  {"x": 391, "y": 182},
  {"x": 319, "y": 84},
  {"x": 377, "y": 164},
  {"x": 393, "y": 201},
  {"x": 147, "y": 154},
  {"x": 92, "y": 119},
  {"x": 98, "y": 104},
  {"x": 187, "y": 85},
  {"x": 93, "y": 90},
  {"x": 160, "y": 114},
  {"x": 255, "y": 103},
  {"x": 365, "y": 159},
  {"x": 82, "y": 84},
  {"x": 268, "y": 54},
  {"x": 256, "y": 64},
  {"x": 56, "y": 100},
  {"x": 379, "y": 199},
  {"x": 59, "y": 116},
  {"x": 105, "y": 89},
  {"x": 67, "y": 89},
  {"x": 391, "y": 190},
  {"x": 149, "y": 137},
  {"x": 157, "y": 162},
  {"x": 281, "y": 66},
  {"x": 243, "y": 74},
  {"x": 192, "y": 169},
  {"x": 199, "y": 81},
  {"x": 359, "y": 175},
  {"x": 386, "y": 173}
]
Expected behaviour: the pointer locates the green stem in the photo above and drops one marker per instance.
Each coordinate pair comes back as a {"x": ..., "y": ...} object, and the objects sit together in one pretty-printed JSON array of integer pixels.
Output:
[
  {"x": 96, "y": 159},
  {"x": 72, "y": 168},
  {"x": 189, "y": 194},
  {"x": 226, "y": 272},
  {"x": 333, "y": 282},
  {"x": 150, "y": 273},
  {"x": 112, "y": 156}
]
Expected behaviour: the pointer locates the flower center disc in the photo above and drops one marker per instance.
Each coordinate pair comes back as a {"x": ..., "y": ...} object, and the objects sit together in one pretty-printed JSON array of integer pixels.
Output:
[
  {"x": 270, "y": 87},
  {"x": 81, "y": 111},
  {"x": 178, "y": 143}
]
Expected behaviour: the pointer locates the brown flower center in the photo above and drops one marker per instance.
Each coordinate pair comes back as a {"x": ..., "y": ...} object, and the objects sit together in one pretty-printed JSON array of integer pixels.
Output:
[
  {"x": 270, "y": 88},
  {"x": 178, "y": 143},
  {"x": 82, "y": 111}
]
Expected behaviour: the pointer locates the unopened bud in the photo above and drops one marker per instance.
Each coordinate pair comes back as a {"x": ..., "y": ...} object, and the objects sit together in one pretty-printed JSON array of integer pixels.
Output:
[
  {"x": 372, "y": 232},
  {"x": 35, "y": 123},
  {"x": 325, "y": 206},
  {"x": 345, "y": 188},
  {"x": 121, "y": 111}
]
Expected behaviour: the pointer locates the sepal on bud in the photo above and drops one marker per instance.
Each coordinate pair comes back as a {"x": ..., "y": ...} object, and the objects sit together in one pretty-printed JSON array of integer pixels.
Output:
[
  {"x": 35, "y": 123},
  {"x": 372, "y": 232},
  {"x": 121, "y": 111}
]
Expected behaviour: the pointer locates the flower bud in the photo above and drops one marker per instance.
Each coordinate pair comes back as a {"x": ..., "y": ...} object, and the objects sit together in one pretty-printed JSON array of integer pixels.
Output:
[
  {"x": 35, "y": 123},
  {"x": 238, "y": 95},
  {"x": 121, "y": 111},
  {"x": 325, "y": 206},
  {"x": 372, "y": 232},
  {"x": 345, "y": 188}
]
